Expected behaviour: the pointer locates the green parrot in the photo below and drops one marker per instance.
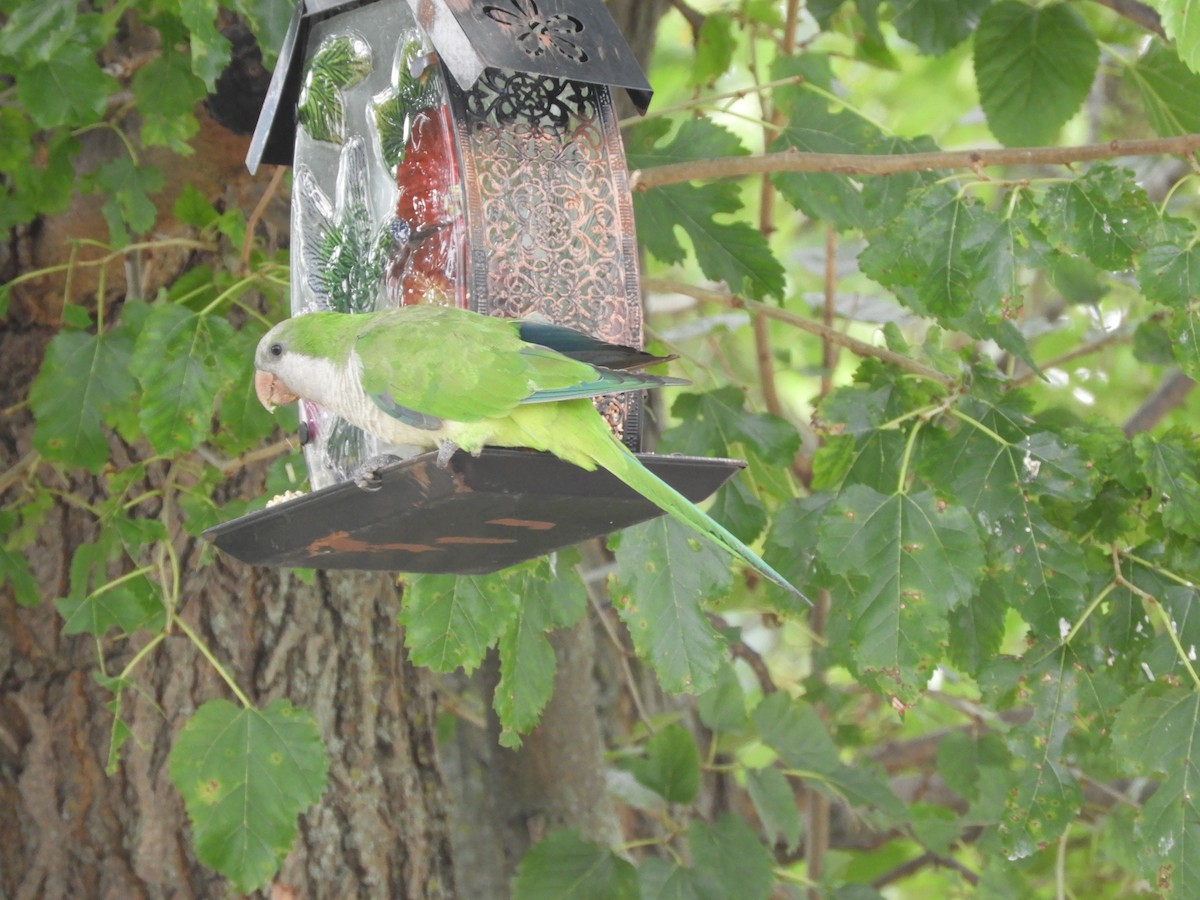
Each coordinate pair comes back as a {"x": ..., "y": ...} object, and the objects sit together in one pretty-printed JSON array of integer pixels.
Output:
[{"x": 437, "y": 376}]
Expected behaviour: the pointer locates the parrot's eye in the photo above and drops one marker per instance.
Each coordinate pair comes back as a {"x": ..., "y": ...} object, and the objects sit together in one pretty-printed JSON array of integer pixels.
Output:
[{"x": 276, "y": 350}]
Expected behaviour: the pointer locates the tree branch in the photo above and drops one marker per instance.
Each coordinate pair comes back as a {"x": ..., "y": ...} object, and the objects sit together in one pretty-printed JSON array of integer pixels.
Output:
[
  {"x": 1138, "y": 13},
  {"x": 860, "y": 348},
  {"x": 893, "y": 164}
]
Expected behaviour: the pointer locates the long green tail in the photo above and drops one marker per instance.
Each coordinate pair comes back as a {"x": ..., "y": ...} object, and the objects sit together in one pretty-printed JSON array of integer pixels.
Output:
[{"x": 614, "y": 457}]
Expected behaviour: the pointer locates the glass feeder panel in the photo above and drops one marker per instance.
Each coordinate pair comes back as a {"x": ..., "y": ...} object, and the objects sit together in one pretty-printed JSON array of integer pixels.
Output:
[
  {"x": 547, "y": 193},
  {"x": 377, "y": 212}
]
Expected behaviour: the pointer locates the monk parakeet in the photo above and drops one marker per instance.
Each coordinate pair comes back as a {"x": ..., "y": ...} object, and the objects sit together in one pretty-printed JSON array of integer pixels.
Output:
[{"x": 437, "y": 376}]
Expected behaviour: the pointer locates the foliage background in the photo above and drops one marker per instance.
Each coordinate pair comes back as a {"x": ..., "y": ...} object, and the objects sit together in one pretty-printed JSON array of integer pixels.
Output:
[{"x": 961, "y": 381}]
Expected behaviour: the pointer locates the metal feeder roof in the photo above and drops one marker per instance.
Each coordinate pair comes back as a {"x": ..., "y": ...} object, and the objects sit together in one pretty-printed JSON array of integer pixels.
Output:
[
  {"x": 477, "y": 515},
  {"x": 571, "y": 39}
]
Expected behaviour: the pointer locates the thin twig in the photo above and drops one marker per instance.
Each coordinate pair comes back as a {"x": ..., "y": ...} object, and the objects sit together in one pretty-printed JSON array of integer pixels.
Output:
[
  {"x": 859, "y": 348},
  {"x": 259, "y": 209},
  {"x": 892, "y": 164},
  {"x": 829, "y": 352},
  {"x": 1166, "y": 397},
  {"x": 1138, "y": 13},
  {"x": 915, "y": 865},
  {"x": 1117, "y": 336},
  {"x": 10, "y": 476}
]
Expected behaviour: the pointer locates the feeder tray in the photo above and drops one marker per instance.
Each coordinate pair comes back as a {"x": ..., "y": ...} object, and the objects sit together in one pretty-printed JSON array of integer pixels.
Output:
[{"x": 477, "y": 515}]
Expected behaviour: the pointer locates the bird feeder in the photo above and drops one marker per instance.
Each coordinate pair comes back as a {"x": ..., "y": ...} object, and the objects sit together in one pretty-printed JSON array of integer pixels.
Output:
[{"x": 466, "y": 153}]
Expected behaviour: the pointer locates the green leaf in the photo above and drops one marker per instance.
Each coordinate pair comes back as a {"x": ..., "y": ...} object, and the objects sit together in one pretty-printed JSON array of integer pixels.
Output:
[
  {"x": 527, "y": 665},
  {"x": 732, "y": 252},
  {"x": 936, "y": 26},
  {"x": 775, "y": 802},
  {"x": 96, "y": 603},
  {"x": 1168, "y": 90},
  {"x": 210, "y": 48},
  {"x": 714, "y": 49},
  {"x": 165, "y": 90},
  {"x": 716, "y": 423},
  {"x": 1170, "y": 275},
  {"x": 1172, "y": 466},
  {"x": 451, "y": 621},
  {"x": 180, "y": 364},
  {"x": 14, "y": 566},
  {"x": 1181, "y": 21},
  {"x": 730, "y": 859},
  {"x": 1158, "y": 730},
  {"x": 1046, "y": 797},
  {"x": 563, "y": 865},
  {"x": 125, "y": 187},
  {"x": 1104, "y": 216},
  {"x": 664, "y": 573},
  {"x": 723, "y": 706},
  {"x": 1034, "y": 67},
  {"x": 672, "y": 765},
  {"x": 977, "y": 628},
  {"x": 909, "y": 560},
  {"x": 70, "y": 90},
  {"x": 245, "y": 776},
  {"x": 82, "y": 378},
  {"x": 36, "y": 31}
]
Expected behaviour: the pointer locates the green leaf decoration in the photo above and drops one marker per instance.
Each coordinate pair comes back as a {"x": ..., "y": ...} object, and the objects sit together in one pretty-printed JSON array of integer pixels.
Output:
[
  {"x": 1047, "y": 796},
  {"x": 71, "y": 89},
  {"x": 909, "y": 560},
  {"x": 775, "y": 802},
  {"x": 97, "y": 603},
  {"x": 83, "y": 378},
  {"x": 340, "y": 62},
  {"x": 1104, "y": 216},
  {"x": 732, "y": 252},
  {"x": 936, "y": 26},
  {"x": 393, "y": 110},
  {"x": 181, "y": 364},
  {"x": 1034, "y": 67},
  {"x": 548, "y": 599},
  {"x": 1158, "y": 730},
  {"x": 1181, "y": 22},
  {"x": 450, "y": 621},
  {"x": 664, "y": 573},
  {"x": 245, "y": 776},
  {"x": 672, "y": 765},
  {"x": 1168, "y": 90},
  {"x": 563, "y": 865}
]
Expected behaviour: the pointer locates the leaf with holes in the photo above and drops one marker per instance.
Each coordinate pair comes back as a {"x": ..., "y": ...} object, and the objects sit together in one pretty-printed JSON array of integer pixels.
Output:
[{"x": 245, "y": 776}]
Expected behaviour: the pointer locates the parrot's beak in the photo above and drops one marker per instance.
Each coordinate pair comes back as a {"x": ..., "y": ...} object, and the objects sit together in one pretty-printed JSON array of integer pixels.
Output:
[{"x": 271, "y": 391}]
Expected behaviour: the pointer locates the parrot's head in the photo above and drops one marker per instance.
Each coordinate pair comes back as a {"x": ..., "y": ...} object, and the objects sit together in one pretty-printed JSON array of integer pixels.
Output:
[{"x": 286, "y": 366}]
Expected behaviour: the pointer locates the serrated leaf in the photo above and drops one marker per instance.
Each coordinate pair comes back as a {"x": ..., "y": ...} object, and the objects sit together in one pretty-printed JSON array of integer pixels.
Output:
[
  {"x": 1172, "y": 466},
  {"x": 14, "y": 566},
  {"x": 723, "y": 706},
  {"x": 910, "y": 559},
  {"x": 126, "y": 187},
  {"x": 671, "y": 767},
  {"x": 717, "y": 422},
  {"x": 70, "y": 90},
  {"x": 1158, "y": 730},
  {"x": 730, "y": 859},
  {"x": 1046, "y": 797},
  {"x": 36, "y": 31},
  {"x": 245, "y": 775},
  {"x": 977, "y": 628},
  {"x": 180, "y": 364},
  {"x": 664, "y": 573},
  {"x": 165, "y": 91},
  {"x": 563, "y": 865},
  {"x": 1168, "y": 89},
  {"x": 775, "y": 802},
  {"x": 1170, "y": 275},
  {"x": 936, "y": 26},
  {"x": 527, "y": 663},
  {"x": 451, "y": 620},
  {"x": 1034, "y": 67},
  {"x": 82, "y": 378},
  {"x": 1104, "y": 216},
  {"x": 714, "y": 48},
  {"x": 1181, "y": 21},
  {"x": 696, "y": 138},
  {"x": 97, "y": 603},
  {"x": 210, "y": 49}
]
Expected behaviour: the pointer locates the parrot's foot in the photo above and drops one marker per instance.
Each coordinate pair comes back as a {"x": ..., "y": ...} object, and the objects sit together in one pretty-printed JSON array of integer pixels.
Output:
[
  {"x": 368, "y": 476},
  {"x": 446, "y": 450}
]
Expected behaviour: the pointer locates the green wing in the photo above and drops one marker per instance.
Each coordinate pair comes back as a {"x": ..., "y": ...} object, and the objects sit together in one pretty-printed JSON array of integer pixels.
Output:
[{"x": 449, "y": 364}]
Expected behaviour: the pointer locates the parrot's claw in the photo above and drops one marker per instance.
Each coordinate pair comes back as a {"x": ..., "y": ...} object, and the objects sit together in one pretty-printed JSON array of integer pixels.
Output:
[
  {"x": 446, "y": 450},
  {"x": 368, "y": 476}
]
